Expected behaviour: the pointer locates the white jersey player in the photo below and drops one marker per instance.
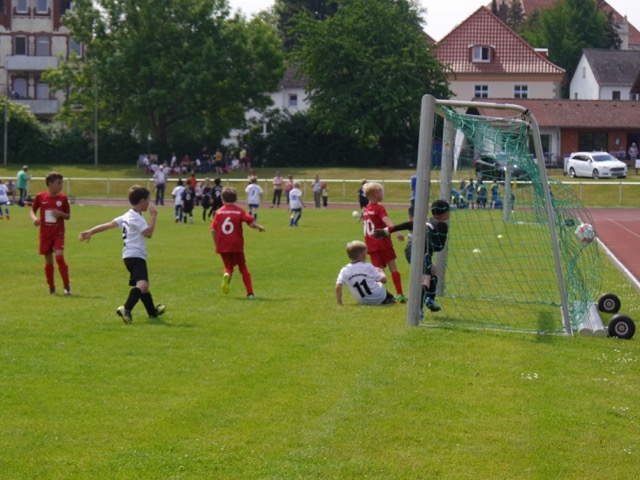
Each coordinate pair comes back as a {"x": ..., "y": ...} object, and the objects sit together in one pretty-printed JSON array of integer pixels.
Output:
[{"x": 365, "y": 282}]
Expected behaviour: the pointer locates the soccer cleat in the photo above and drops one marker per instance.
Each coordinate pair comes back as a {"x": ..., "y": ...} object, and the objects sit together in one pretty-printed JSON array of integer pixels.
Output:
[
  {"x": 67, "y": 292},
  {"x": 124, "y": 314},
  {"x": 159, "y": 311},
  {"x": 431, "y": 304},
  {"x": 401, "y": 299},
  {"x": 251, "y": 296},
  {"x": 52, "y": 291},
  {"x": 226, "y": 280}
]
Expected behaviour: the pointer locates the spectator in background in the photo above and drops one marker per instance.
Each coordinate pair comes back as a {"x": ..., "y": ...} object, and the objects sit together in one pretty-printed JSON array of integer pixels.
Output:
[
  {"x": 414, "y": 183},
  {"x": 633, "y": 152},
  {"x": 11, "y": 191},
  {"x": 633, "y": 155},
  {"x": 316, "y": 187},
  {"x": 277, "y": 190},
  {"x": 325, "y": 195},
  {"x": 288, "y": 186},
  {"x": 22, "y": 182},
  {"x": 160, "y": 182}
]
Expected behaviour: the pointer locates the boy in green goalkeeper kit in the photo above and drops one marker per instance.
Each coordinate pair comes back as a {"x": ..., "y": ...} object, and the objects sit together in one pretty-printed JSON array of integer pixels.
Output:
[{"x": 435, "y": 240}]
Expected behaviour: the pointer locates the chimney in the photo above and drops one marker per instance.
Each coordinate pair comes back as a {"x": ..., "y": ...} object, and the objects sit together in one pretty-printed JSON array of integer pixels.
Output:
[{"x": 544, "y": 52}]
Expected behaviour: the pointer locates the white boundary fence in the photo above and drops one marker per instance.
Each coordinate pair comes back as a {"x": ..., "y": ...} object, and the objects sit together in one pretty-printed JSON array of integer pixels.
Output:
[{"x": 104, "y": 186}]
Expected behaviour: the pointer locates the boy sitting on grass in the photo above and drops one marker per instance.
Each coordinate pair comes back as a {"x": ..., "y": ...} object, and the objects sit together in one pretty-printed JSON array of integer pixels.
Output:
[{"x": 365, "y": 282}]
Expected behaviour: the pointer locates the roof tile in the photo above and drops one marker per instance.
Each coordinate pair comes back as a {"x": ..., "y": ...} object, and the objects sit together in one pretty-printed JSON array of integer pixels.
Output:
[{"x": 512, "y": 54}]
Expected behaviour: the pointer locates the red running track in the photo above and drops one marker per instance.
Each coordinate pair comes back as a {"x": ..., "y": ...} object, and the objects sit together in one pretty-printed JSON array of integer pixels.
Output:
[{"x": 619, "y": 230}]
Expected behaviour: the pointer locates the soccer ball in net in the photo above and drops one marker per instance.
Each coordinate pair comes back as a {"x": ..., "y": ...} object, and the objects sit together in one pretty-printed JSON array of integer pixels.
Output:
[
  {"x": 355, "y": 214},
  {"x": 585, "y": 233}
]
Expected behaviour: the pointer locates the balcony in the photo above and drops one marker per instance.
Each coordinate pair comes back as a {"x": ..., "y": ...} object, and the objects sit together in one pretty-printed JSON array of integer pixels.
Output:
[
  {"x": 23, "y": 63},
  {"x": 40, "y": 107}
]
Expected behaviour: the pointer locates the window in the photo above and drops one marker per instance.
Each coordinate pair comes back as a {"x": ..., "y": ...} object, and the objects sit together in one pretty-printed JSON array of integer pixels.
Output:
[
  {"x": 293, "y": 100},
  {"x": 481, "y": 54},
  {"x": 481, "y": 91},
  {"x": 584, "y": 72},
  {"x": 42, "y": 46},
  {"x": 64, "y": 6},
  {"x": 592, "y": 141},
  {"x": 615, "y": 95},
  {"x": 42, "y": 91},
  {"x": 20, "y": 45},
  {"x": 42, "y": 6},
  {"x": 3, "y": 7},
  {"x": 22, "y": 6},
  {"x": 20, "y": 87},
  {"x": 521, "y": 91},
  {"x": 75, "y": 47}
]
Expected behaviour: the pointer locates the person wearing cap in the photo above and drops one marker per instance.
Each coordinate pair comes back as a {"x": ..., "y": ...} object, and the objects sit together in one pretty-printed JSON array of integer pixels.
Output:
[
  {"x": 160, "y": 181},
  {"x": 435, "y": 240}
]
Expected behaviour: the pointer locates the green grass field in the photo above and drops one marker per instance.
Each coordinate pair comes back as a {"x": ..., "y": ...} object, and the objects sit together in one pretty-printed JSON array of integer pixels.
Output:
[{"x": 288, "y": 385}]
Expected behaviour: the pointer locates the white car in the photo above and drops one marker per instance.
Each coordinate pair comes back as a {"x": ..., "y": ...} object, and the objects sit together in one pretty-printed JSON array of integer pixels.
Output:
[{"x": 595, "y": 165}]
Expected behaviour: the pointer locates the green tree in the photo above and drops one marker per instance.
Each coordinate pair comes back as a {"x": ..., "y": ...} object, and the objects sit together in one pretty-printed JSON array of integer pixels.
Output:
[
  {"x": 515, "y": 14},
  {"x": 27, "y": 141},
  {"x": 168, "y": 69},
  {"x": 368, "y": 67},
  {"x": 567, "y": 28},
  {"x": 287, "y": 11}
]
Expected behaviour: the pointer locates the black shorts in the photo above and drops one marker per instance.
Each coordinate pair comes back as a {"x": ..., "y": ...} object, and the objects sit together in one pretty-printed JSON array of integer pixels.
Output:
[
  {"x": 388, "y": 299},
  {"x": 137, "y": 268}
]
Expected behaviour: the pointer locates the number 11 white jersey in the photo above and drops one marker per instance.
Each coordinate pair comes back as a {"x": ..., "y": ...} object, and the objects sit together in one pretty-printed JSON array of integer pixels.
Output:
[{"x": 363, "y": 280}]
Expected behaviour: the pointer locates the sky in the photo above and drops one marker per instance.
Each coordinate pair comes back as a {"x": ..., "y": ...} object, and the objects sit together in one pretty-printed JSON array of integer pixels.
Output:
[{"x": 443, "y": 15}]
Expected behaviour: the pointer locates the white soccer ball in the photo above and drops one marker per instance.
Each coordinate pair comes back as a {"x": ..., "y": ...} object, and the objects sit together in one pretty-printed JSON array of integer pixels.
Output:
[
  {"x": 355, "y": 214},
  {"x": 477, "y": 251},
  {"x": 585, "y": 233}
]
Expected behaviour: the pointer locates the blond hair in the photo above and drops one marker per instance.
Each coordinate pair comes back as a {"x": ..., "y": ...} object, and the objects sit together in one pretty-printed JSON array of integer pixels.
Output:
[
  {"x": 371, "y": 187},
  {"x": 355, "y": 249}
]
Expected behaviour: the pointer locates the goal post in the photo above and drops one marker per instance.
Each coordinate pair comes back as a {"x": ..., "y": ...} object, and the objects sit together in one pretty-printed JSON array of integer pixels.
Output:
[{"x": 511, "y": 264}]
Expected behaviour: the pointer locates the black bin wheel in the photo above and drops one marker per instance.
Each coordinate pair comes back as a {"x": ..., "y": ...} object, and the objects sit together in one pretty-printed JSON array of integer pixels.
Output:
[
  {"x": 621, "y": 326},
  {"x": 609, "y": 303}
]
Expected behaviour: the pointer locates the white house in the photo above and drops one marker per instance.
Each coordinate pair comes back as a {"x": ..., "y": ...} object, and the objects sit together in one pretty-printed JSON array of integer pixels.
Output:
[
  {"x": 604, "y": 74},
  {"x": 489, "y": 60},
  {"x": 31, "y": 38}
]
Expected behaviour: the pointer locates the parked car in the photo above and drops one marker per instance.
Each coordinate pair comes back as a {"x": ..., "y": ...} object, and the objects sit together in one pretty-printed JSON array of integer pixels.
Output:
[
  {"x": 595, "y": 165},
  {"x": 493, "y": 166}
]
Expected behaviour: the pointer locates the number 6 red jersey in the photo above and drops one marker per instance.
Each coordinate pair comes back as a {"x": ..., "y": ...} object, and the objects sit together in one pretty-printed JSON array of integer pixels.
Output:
[{"x": 227, "y": 224}]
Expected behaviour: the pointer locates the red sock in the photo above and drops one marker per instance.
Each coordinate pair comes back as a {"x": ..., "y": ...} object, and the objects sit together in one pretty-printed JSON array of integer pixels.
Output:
[
  {"x": 397, "y": 282},
  {"x": 48, "y": 272},
  {"x": 64, "y": 270},
  {"x": 246, "y": 279}
]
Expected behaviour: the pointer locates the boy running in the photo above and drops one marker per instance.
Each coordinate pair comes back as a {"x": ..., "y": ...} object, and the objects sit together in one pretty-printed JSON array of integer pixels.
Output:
[
  {"x": 226, "y": 230},
  {"x": 135, "y": 231}
]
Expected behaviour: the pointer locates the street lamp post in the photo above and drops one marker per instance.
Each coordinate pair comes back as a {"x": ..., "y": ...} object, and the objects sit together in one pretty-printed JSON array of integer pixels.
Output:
[
  {"x": 6, "y": 129},
  {"x": 95, "y": 121}
]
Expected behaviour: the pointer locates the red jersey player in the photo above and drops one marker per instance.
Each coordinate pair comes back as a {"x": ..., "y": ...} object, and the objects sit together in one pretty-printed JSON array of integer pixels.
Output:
[
  {"x": 54, "y": 210},
  {"x": 226, "y": 230},
  {"x": 380, "y": 249}
]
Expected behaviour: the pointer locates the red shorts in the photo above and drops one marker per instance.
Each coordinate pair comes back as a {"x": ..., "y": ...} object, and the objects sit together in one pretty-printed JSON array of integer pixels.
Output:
[
  {"x": 232, "y": 259},
  {"x": 381, "y": 258},
  {"x": 51, "y": 243}
]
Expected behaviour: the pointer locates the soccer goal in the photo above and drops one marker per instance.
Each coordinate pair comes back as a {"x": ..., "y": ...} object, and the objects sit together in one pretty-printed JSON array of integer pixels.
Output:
[{"x": 513, "y": 260}]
